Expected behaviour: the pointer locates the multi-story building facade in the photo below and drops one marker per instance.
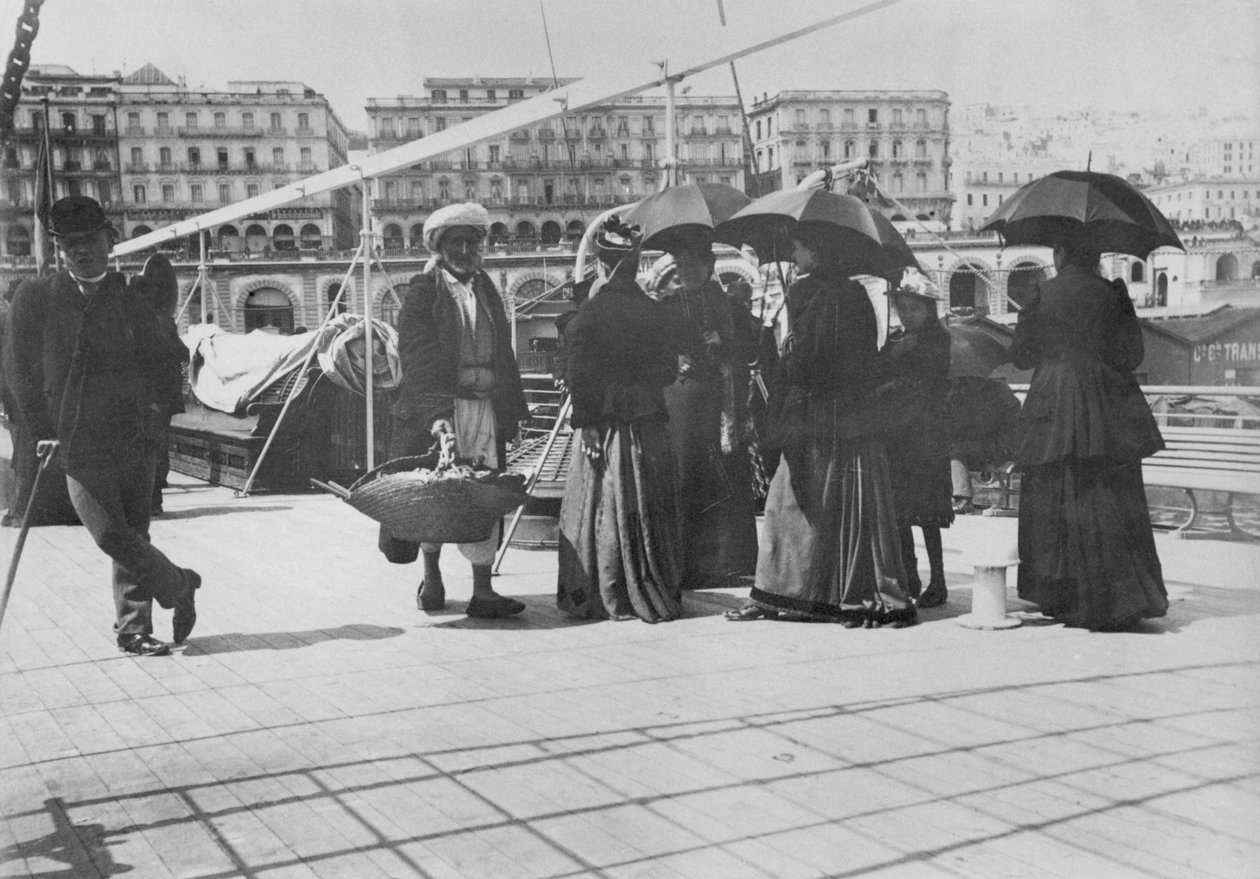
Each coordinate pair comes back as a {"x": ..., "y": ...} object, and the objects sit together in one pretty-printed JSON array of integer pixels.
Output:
[
  {"x": 1228, "y": 157},
  {"x": 185, "y": 152},
  {"x": 904, "y": 134},
  {"x": 82, "y": 133},
  {"x": 1208, "y": 200},
  {"x": 980, "y": 184},
  {"x": 545, "y": 183}
]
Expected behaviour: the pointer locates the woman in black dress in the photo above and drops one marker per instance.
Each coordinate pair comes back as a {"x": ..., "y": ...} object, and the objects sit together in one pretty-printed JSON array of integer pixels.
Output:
[{"x": 1087, "y": 554}]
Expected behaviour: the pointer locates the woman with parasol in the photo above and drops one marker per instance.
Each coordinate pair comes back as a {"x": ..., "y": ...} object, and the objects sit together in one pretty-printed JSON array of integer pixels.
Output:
[
  {"x": 829, "y": 549},
  {"x": 1087, "y": 553},
  {"x": 619, "y": 516},
  {"x": 708, "y": 402}
]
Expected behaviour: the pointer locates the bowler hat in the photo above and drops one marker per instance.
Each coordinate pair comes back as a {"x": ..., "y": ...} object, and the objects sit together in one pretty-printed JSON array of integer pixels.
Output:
[{"x": 75, "y": 215}]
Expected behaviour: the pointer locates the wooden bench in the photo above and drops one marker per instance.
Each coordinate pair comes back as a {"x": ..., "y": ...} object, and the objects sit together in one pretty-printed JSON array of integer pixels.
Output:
[{"x": 1225, "y": 460}]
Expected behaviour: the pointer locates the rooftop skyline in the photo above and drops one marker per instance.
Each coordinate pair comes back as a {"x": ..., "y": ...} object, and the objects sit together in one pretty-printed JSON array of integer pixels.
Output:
[{"x": 1112, "y": 54}]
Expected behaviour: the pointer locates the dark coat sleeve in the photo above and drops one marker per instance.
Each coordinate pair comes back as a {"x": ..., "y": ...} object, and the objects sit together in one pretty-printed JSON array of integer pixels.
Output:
[
  {"x": 1124, "y": 348},
  {"x": 427, "y": 390},
  {"x": 24, "y": 367}
]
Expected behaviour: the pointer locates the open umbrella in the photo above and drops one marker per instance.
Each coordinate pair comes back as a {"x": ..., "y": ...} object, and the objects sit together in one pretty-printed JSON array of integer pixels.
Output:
[
  {"x": 1103, "y": 207},
  {"x": 844, "y": 222},
  {"x": 895, "y": 254},
  {"x": 670, "y": 216},
  {"x": 973, "y": 352}
]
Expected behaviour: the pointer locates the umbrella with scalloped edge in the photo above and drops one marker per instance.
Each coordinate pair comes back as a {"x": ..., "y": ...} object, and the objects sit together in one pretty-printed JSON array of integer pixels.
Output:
[
  {"x": 767, "y": 224},
  {"x": 1066, "y": 204},
  {"x": 682, "y": 213}
]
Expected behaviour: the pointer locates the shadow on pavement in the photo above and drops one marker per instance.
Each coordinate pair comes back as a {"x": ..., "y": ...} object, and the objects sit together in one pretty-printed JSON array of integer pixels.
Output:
[{"x": 237, "y": 642}]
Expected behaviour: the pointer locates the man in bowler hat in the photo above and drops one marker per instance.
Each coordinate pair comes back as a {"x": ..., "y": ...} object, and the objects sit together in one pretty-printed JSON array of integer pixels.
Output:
[{"x": 90, "y": 372}]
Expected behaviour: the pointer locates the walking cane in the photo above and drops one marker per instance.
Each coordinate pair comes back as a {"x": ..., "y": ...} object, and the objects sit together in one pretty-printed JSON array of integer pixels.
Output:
[
  {"x": 45, "y": 452},
  {"x": 533, "y": 481}
]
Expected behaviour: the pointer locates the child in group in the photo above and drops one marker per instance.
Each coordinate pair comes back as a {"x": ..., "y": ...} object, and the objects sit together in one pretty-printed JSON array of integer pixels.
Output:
[{"x": 917, "y": 363}]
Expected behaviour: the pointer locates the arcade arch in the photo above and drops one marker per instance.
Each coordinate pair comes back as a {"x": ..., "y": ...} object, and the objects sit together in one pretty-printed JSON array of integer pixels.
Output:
[{"x": 1227, "y": 268}]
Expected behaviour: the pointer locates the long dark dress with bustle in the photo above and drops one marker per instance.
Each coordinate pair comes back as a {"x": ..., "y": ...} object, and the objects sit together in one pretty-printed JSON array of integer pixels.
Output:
[
  {"x": 708, "y": 418},
  {"x": 619, "y": 517},
  {"x": 1087, "y": 552},
  {"x": 829, "y": 549}
]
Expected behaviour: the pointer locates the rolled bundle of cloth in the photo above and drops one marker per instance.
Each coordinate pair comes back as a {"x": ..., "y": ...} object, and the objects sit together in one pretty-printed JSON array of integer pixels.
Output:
[{"x": 342, "y": 354}]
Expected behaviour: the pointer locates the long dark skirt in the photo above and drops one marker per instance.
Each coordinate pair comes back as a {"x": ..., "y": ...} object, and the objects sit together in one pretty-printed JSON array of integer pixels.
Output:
[
  {"x": 619, "y": 530},
  {"x": 716, "y": 507},
  {"x": 830, "y": 548},
  {"x": 1087, "y": 553}
]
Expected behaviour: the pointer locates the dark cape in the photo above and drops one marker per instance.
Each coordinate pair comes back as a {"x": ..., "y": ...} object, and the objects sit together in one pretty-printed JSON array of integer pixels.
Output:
[
  {"x": 918, "y": 369},
  {"x": 1087, "y": 552}
]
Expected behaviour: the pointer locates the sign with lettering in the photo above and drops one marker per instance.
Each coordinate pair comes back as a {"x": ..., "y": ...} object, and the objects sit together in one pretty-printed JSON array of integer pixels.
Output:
[{"x": 1228, "y": 352}]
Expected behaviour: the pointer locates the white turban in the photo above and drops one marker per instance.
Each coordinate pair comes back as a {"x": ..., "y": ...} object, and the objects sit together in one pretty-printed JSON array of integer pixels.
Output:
[{"x": 467, "y": 214}]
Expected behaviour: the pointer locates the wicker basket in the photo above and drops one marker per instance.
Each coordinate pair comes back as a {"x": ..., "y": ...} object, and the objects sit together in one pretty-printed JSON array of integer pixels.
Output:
[{"x": 421, "y": 508}]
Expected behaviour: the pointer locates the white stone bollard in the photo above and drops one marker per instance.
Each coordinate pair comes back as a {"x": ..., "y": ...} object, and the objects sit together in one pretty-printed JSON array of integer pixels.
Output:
[{"x": 988, "y": 588}]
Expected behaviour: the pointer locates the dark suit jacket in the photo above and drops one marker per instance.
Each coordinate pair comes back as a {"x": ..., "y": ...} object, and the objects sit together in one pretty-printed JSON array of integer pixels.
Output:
[{"x": 87, "y": 370}]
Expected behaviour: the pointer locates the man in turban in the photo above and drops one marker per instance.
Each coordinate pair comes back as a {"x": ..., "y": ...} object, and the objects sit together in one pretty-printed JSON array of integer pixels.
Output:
[{"x": 459, "y": 377}]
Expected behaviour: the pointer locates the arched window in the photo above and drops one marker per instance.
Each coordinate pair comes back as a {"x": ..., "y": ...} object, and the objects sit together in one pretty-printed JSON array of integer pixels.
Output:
[
  {"x": 333, "y": 290},
  {"x": 137, "y": 231},
  {"x": 393, "y": 236},
  {"x": 417, "y": 235},
  {"x": 229, "y": 239},
  {"x": 498, "y": 231},
  {"x": 255, "y": 238},
  {"x": 1227, "y": 268},
  {"x": 18, "y": 241},
  {"x": 525, "y": 229},
  {"x": 551, "y": 232},
  {"x": 268, "y": 309},
  {"x": 574, "y": 230},
  {"x": 282, "y": 235},
  {"x": 1255, "y": 269},
  {"x": 966, "y": 290},
  {"x": 1137, "y": 272},
  {"x": 311, "y": 237}
]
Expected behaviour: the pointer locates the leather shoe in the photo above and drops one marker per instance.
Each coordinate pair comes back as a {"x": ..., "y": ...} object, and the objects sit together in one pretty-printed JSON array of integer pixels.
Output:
[
  {"x": 185, "y": 616},
  {"x": 494, "y": 607},
  {"x": 934, "y": 595},
  {"x": 431, "y": 599},
  {"x": 142, "y": 644}
]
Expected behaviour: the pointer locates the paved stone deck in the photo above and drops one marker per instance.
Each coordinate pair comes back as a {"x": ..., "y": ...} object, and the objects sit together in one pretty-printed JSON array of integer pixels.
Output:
[{"x": 318, "y": 725}]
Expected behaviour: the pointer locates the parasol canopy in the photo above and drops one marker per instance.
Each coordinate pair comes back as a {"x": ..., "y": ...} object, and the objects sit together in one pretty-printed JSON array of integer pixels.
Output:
[
  {"x": 843, "y": 221},
  {"x": 973, "y": 352},
  {"x": 895, "y": 255},
  {"x": 677, "y": 213},
  {"x": 1103, "y": 207}
]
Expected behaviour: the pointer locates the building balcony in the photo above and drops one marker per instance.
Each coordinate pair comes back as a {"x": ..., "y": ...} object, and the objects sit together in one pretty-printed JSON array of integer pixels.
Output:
[
  {"x": 546, "y": 134},
  {"x": 848, "y": 126},
  {"x": 277, "y": 131},
  {"x": 897, "y": 126},
  {"x": 304, "y": 131},
  {"x": 134, "y": 131},
  {"x": 597, "y": 133},
  {"x": 922, "y": 160},
  {"x": 167, "y": 131},
  {"x": 519, "y": 136}
]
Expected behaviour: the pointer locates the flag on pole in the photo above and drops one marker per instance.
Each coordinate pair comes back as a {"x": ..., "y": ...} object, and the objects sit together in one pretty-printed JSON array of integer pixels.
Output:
[{"x": 43, "y": 201}]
